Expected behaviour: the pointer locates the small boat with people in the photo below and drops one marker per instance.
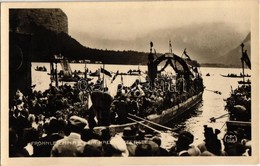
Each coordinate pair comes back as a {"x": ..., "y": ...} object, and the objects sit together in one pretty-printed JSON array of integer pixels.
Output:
[
  {"x": 154, "y": 103},
  {"x": 235, "y": 75},
  {"x": 238, "y": 105},
  {"x": 244, "y": 82},
  {"x": 66, "y": 74},
  {"x": 40, "y": 68}
]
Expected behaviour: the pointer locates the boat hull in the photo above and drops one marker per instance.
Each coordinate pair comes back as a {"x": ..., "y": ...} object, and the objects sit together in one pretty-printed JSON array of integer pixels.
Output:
[
  {"x": 166, "y": 115},
  {"x": 236, "y": 125}
]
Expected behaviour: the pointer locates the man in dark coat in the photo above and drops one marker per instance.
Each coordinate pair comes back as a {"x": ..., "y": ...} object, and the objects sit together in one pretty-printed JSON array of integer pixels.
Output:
[
  {"x": 73, "y": 145},
  {"x": 42, "y": 148}
]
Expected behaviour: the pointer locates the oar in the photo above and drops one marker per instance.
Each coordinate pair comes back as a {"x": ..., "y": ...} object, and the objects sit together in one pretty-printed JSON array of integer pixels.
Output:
[
  {"x": 167, "y": 128},
  {"x": 217, "y": 92},
  {"x": 213, "y": 119},
  {"x": 144, "y": 125}
]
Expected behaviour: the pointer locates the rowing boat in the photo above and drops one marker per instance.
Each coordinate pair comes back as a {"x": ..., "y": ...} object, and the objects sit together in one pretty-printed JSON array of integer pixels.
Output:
[{"x": 234, "y": 76}]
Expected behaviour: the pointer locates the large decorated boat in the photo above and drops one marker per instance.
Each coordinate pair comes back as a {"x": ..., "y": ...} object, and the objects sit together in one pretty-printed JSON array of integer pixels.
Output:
[{"x": 176, "y": 94}]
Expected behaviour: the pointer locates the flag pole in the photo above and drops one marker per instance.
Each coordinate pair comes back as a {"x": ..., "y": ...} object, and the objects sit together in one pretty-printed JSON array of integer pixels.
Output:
[
  {"x": 170, "y": 46},
  {"x": 242, "y": 61},
  {"x": 103, "y": 76}
]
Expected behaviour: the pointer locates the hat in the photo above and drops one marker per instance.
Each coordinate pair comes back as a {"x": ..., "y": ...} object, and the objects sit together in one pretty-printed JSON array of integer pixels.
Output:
[
  {"x": 154, "y": 146},
  {"x": 119, "y": 86},
  {"x": 105, "y": 134},
  {"x": 78, "y": 121},
  {"x": 95, "y": 143},
  {"x": 239, "y": 108},
  {"x": 129, "y": 134},
  {"x": 141, "y": 134},
  {"x": 119, "y": 144},
  {"x": 137, "y": 93},
  {"x": 157, "y": 140},
  {"x": 187, "y": 136},
  {"x": 194, "y": 151}
]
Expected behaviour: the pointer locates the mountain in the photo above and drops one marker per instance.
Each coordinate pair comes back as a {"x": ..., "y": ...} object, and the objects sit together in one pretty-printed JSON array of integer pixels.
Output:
[
  {"x": 46, "y": 43},
  {"x": 207, "y": 43},
  {"x": 233, "y": 56},
  {"x": 204, "y": 41}
]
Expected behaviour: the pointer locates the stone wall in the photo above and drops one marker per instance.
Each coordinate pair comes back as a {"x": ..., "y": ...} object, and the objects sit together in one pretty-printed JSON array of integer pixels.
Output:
[{"x": 27, "y": 20}]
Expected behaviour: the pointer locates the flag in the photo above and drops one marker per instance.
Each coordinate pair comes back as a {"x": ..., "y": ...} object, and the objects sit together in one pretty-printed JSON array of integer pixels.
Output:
[
  {"x": 246, "y": 59},
  {"x": 185, "y": 53},
  {"x": 115, "y": 76},
  {"x": 105, "y": 72}
]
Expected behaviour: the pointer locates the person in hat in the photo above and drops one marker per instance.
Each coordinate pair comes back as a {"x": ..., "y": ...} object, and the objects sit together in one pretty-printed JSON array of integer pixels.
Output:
[
  {"x": 119, "y": 146},
  {"x": 93, "y": 148},
  {"x": 129, "y": 135},
  {"x": 183, "y": 145},
  {"x": 143, "y": 150},
  {"x": 162, "y": 151},
  {"x": 43, "y": 147},
  {"x": 72, "y": 145}
]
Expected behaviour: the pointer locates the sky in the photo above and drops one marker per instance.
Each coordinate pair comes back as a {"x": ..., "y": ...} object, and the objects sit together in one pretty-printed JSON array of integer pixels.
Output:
[{"x": 120, "y": 25}]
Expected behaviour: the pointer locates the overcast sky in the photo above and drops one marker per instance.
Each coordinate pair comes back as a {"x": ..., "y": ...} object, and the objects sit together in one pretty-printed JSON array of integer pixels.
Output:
[{"x": 93, "y": 23}]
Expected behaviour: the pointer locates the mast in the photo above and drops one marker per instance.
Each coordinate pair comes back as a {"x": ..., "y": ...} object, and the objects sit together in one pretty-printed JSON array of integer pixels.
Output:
[
  {"x": 51, "y": 71},
  {"x": 85, "y": 73},
  {"x": 56, "y": 74},
  {"x": 242, "y": 61},
  {"x": 170, "y": 46},
  {"x": 103, "y": 76}
]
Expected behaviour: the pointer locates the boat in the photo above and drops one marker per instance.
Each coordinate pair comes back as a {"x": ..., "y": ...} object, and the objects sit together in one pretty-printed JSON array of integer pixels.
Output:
[
  {"x": 244, "y": 82},
  {"x": 235, "y": 75},
  {"x": 41, "y": 68},
  {"x": 134, "y": 72},
  {"x": 172, "y": 112},
  {"x": 66, "y": 74},
  {"x": 129, "y": 74},
  {"x": 238, "y": 106}
]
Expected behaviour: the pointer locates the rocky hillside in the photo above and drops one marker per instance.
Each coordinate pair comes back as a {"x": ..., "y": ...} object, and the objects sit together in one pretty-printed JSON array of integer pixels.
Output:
[
  {"x": 27, "y": 20},
  {"x": 49, "y": 36}
]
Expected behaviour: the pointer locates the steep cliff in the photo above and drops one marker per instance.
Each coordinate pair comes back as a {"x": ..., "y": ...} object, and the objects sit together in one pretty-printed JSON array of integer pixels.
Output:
[{"x": 27, "y": 20}]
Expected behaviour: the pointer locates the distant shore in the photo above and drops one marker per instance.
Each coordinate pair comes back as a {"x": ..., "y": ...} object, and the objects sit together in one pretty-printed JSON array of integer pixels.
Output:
[{"x": 125, "y": 63}]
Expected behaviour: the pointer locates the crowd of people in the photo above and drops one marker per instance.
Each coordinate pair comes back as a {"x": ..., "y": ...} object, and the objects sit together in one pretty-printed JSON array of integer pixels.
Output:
[
  {"x": 141, "y": 99},
  {"x": 56, "y": 137},
  {"x": 239, "y": 103}
]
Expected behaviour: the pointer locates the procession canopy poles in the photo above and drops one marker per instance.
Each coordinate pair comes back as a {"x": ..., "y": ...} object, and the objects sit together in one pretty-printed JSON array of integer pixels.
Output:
[{"x": 169, "y": 58}]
